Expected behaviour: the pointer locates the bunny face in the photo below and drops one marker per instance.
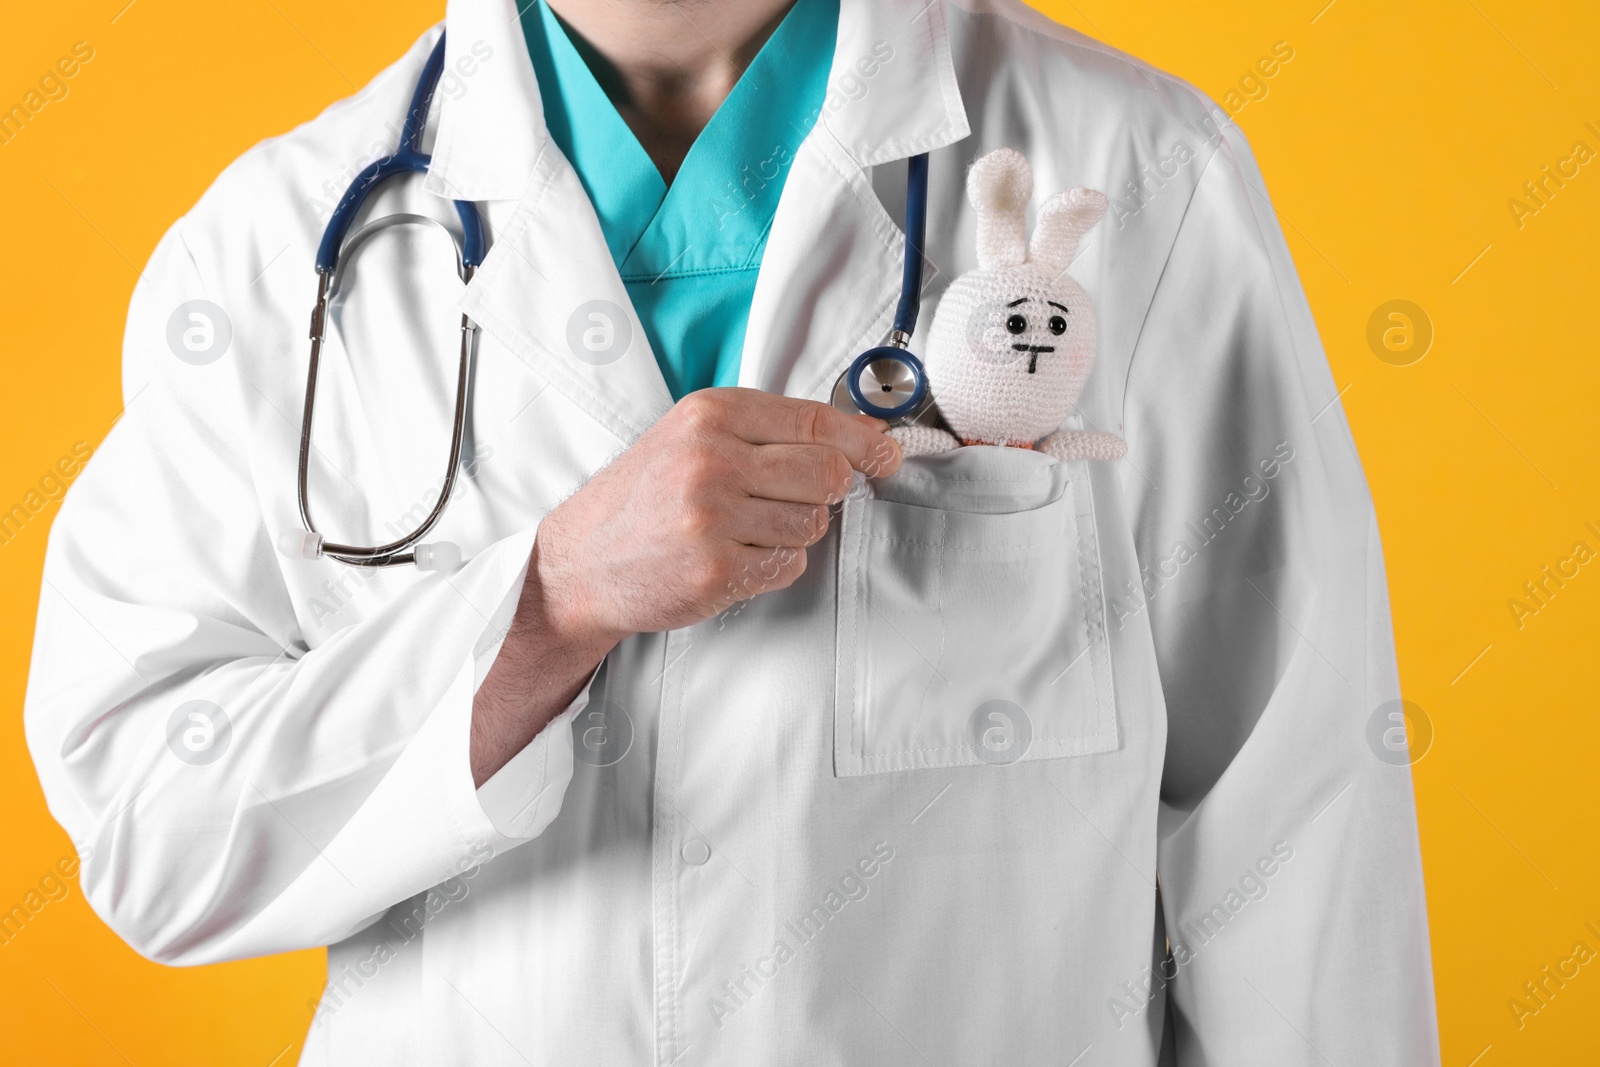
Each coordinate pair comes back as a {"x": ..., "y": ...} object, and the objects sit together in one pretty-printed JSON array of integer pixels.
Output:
[
  {"x": 1009, "y": 353},
  {"x": 1013, "y": 342}
]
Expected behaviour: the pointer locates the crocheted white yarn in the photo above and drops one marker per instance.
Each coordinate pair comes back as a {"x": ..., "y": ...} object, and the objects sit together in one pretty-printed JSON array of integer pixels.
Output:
[{"x": 1013, "y": 341}]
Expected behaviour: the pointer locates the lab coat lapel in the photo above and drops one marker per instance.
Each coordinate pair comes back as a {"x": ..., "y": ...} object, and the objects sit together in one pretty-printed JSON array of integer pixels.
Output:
[
  {"x": 550, "y": 293},
  {"x": 830, "y": 275},
  {"x": 548, "y": 290}
]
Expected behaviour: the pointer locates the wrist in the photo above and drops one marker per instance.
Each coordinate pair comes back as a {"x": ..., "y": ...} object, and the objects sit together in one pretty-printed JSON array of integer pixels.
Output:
[{"x": 556, "y": 604}]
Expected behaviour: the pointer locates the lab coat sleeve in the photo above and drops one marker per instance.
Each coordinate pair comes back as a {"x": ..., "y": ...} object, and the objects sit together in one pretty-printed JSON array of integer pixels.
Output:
[
  {"x": 1290, "y": 875},
  {"x": 339, "y": 780}
]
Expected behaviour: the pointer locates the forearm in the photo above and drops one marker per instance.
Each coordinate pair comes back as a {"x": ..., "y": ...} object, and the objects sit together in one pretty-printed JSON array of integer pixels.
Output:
[
  {"x": 242, "y": 794},
  {"x": 541, "y": 667}
]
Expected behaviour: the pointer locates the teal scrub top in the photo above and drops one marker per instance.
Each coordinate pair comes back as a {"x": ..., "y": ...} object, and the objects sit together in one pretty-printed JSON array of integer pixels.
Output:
[{"x": 689, "y": 253}]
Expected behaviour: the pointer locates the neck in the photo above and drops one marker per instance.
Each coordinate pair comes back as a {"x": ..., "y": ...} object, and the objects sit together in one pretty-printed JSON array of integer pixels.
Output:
[{"x": 667, "y": 65}]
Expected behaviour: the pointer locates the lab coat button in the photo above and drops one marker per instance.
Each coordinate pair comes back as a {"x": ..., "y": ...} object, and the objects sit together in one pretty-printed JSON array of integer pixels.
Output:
[{"x": 696, "y": 852}]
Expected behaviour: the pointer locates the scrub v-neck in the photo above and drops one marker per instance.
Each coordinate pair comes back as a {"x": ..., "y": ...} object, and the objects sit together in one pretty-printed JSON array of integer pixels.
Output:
[{"x": 689, "y": 253}]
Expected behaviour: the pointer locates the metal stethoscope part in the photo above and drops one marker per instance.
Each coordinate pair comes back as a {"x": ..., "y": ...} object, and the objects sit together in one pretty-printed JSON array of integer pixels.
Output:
[
  {"x": 470, "y": 247},
  {"x": 889, "y": 382}
]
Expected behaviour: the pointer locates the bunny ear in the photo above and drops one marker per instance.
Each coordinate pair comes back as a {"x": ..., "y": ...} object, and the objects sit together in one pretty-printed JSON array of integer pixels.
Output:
[
  {"x": 999, "y": 185},
  {"x": 1063, "y": 220}
]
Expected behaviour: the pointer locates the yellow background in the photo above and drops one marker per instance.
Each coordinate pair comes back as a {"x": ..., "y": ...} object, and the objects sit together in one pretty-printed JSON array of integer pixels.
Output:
[{"x": 1391, "y": 143}]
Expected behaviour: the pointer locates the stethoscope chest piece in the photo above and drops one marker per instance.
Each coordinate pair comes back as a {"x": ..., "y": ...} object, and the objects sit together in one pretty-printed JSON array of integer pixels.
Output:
[
  {"x": 886, "y": 382},
  {"x": 889, "y": 382}
]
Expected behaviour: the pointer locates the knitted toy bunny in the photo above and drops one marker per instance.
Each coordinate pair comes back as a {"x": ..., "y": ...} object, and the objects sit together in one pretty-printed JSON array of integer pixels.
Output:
[{"x": 1013, "y": 341}]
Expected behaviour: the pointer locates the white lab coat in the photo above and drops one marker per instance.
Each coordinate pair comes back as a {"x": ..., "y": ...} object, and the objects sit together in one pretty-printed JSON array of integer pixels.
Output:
[{"x": 797, "y": 852}]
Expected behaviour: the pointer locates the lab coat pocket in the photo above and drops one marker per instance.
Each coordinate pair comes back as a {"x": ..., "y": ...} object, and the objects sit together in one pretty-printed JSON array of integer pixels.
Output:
[{"x": 971, "y": 618}]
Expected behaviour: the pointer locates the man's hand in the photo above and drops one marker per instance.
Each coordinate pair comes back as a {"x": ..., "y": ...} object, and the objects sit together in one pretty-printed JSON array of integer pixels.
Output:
[{"x": 714, "y": 504}]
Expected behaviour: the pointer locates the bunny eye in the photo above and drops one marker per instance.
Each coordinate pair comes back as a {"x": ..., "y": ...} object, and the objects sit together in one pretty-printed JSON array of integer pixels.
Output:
[
  {"x": 1058, "y": 325},
  {"x": 1016, "y": 324}
]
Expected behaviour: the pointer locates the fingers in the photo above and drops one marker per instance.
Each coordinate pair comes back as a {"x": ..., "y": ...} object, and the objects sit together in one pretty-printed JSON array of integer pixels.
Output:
[
  {"x": 761, "y": 570},
  {"x": 800, "y": 474},
  {"x": 773, "y": 524},
  {"x": 768, "y": 419}
]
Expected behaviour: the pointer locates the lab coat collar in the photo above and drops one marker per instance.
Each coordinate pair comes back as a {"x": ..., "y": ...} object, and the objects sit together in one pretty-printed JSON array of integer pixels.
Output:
[
  {"x": 491, "y": 132},
  {"x": 891, "y": 93}
]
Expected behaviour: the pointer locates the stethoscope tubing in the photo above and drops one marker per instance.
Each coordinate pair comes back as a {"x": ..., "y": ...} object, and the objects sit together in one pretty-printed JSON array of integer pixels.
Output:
[
  {"x": 408, "y": 159},
  {"x": 896, "y": 353},
  {"x": 905, "y": 314}
]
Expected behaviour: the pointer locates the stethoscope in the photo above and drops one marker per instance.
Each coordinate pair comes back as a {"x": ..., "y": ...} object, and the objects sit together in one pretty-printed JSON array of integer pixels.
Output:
[
  {"x": 887, "y": 382},
  {"x": 470, "y": 250}
]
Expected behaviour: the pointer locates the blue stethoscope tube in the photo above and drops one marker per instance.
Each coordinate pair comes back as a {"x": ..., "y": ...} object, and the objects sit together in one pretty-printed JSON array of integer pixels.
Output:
[
  {"x": 407, "y": 159},
  {"x": 905, "y": 314},
  {"x": 889, "y": 382}
]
